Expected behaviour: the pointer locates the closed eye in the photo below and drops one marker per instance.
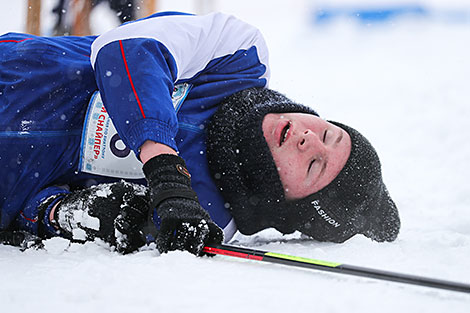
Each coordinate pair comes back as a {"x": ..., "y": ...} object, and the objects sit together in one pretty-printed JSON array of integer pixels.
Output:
[
  {"x": 310, "y": 165},
  {"x": 324, "y": 135}
]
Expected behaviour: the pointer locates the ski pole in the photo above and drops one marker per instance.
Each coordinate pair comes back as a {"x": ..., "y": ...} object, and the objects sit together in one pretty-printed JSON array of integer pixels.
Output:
[{"x": 278, "y": 258}]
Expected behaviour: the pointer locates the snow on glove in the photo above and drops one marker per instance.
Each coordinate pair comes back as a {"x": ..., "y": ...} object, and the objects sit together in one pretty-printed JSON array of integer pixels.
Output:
[
  {"x": 185, "y": 225},
  {"x": 113, "y": 212},
  {"x": 19, "y": 238}
]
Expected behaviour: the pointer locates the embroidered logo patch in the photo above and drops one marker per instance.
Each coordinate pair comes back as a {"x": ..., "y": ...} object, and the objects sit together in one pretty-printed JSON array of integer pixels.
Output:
[{"x": 183, "y": 170}]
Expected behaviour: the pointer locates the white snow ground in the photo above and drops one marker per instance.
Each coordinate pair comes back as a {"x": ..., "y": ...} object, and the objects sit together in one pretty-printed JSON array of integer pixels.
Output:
[{"x": 405, "y": 85}]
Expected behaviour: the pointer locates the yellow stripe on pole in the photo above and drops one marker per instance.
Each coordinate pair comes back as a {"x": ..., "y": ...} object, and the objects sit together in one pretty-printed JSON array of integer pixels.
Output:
[{"x": 301, "y": 259}]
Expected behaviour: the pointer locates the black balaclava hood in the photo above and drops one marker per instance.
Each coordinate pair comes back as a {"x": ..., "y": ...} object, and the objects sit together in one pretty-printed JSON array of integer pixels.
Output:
[{"x": 240, "y": 161}]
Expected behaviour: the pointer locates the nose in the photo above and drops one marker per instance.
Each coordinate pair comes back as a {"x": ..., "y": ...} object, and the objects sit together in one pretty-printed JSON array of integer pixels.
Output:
[{"x": 310, "y": 141}]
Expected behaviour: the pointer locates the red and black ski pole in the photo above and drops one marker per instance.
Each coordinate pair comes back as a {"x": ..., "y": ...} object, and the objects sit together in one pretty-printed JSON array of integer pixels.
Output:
[{"x": 278, "y": 258}]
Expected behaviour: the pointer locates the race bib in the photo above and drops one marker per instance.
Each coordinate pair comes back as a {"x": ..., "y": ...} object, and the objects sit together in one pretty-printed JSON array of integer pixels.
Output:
[{"x": 102, "y": 151}]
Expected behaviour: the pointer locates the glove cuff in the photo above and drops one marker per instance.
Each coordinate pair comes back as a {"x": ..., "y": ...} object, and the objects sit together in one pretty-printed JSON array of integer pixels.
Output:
[
  {"x": 166, "y": 172},
  {"x": 157, "y": 163}
]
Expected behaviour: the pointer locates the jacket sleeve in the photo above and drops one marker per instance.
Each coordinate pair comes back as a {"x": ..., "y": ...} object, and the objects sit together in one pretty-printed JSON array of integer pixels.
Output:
[
  {"x": 137, "y": 65},
  {"x": 34, "y": 218}
]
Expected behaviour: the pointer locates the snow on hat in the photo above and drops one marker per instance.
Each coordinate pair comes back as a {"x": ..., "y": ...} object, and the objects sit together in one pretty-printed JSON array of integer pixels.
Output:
[{"x": 240, "y": 161}]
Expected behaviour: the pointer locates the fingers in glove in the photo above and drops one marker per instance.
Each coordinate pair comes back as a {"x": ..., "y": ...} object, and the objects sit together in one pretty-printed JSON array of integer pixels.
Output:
[
  {"x": 21, "y": 239},
  {"x": 215, "y": 236},
  {"x": 166, "y": 236},
  {"x": 129, "y": 225},
  {"x": 190, "y": 236},
  {"x": 185, "y": 236},
  {"x": 128, "y": 240}
]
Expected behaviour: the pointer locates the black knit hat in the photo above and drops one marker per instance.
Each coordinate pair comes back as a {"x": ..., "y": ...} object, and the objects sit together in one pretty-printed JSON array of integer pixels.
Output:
[{"x": 356, "y": 201}]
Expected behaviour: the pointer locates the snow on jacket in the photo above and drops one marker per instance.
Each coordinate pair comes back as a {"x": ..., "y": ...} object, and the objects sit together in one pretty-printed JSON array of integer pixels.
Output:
[{"x": 160, "y": 78}]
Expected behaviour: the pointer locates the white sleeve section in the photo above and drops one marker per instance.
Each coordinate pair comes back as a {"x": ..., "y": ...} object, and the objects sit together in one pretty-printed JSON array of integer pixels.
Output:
[
  {"x": 192, "y": 40},
  {"x": 230, "y": 230}
]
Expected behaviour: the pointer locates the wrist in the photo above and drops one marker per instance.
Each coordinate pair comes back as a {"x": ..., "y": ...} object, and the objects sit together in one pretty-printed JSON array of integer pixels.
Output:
[
  {"x": 152, "y": 149},
  {"x": 52, "y": 219}
]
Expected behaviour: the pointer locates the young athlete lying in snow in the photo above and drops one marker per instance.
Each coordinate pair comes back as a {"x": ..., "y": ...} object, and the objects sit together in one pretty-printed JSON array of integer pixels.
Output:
[{"x": 185, "y": 94}]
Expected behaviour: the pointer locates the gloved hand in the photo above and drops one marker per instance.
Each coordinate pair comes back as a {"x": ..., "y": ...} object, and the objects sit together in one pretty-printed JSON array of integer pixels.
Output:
[
  {"x": 113, "y": 212},
  {"x": 185, "y": 225},
  {"x": 21, "y": 239}
]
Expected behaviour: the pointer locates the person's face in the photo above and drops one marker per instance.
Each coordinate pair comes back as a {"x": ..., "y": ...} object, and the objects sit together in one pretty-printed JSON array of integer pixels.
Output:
[{"x": 309, "y": 152}]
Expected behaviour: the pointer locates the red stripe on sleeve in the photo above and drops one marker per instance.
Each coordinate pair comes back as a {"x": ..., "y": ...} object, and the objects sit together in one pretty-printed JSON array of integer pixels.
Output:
[
  {"x": 130, "y": 78},
  {"x": 28, "y": 219},
  {"x": 15, "y": 40}
]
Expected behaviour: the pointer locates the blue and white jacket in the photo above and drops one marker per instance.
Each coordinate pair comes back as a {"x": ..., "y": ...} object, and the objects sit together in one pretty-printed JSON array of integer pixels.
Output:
[{"x": 160, "y": 78}]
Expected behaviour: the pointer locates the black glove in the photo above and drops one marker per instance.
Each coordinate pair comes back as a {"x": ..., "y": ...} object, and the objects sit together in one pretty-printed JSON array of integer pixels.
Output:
[
  {"x": 113, "y": 212},
  {"x": 21, "y": 239},
  {"x": 185, "y": 225}
]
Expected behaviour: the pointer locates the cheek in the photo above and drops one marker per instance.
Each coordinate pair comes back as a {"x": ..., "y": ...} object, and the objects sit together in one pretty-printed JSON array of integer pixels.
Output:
[
  {"x": 287, "y": 163},
  {"x": 287, "y": 168},
  {"x": 283, "y": 161}
]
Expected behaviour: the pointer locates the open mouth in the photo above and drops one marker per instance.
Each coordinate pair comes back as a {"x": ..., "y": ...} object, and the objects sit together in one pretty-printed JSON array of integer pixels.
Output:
[{"x": 284, "y": 133}]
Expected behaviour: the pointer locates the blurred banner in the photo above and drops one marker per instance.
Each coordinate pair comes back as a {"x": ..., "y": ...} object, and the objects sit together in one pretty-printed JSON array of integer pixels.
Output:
[{"x": 383, "y": 11}]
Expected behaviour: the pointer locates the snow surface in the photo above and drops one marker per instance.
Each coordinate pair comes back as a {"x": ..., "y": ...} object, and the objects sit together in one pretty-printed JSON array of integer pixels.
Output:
[{"x": 405, "y": 85}]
